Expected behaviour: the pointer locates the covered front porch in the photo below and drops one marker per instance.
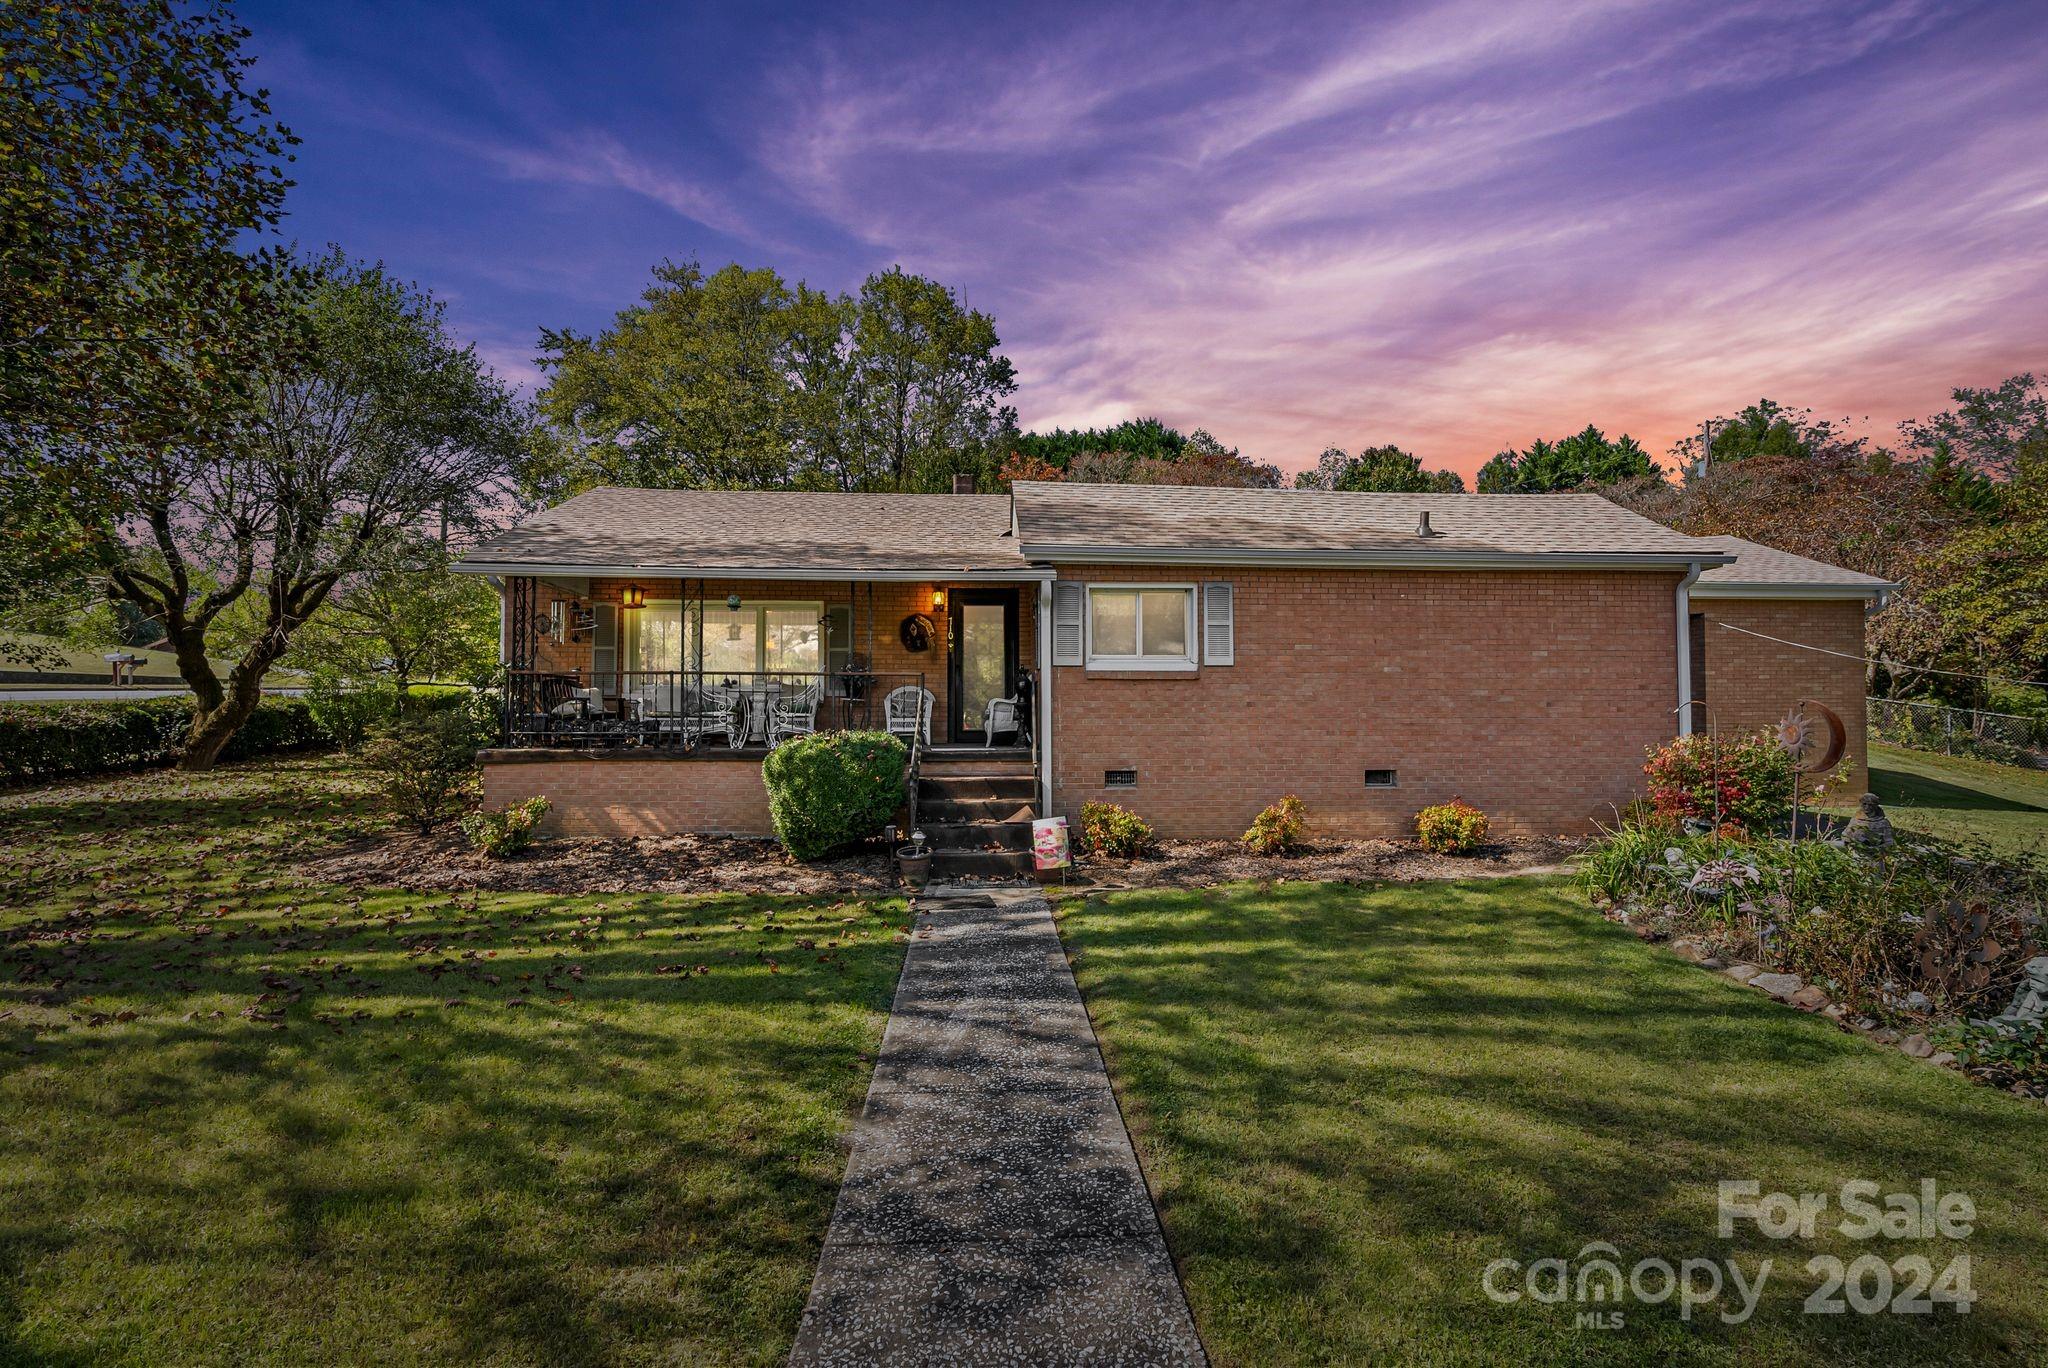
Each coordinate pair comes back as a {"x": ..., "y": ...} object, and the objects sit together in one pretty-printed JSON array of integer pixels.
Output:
[{"x": 731, "y": 667}]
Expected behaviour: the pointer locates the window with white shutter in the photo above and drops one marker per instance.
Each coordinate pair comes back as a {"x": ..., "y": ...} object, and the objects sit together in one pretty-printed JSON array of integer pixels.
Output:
[
  {"x": 1219, "y": 623},
  {"x": 1067, "y": 600}
]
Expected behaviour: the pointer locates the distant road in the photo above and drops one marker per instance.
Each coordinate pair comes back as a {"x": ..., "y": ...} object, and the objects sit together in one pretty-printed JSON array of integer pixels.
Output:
[{"x": 85, "y": 694}]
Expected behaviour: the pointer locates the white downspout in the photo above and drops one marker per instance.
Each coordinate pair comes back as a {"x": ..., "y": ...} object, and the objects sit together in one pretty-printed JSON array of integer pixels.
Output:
[
  {"x": 1045, "y": 697},
  {"x": 1692, "y": 573}
]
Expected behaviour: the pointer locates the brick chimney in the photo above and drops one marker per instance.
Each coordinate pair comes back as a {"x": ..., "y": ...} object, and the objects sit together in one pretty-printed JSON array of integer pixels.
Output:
[{"x": 963, "y": 484}]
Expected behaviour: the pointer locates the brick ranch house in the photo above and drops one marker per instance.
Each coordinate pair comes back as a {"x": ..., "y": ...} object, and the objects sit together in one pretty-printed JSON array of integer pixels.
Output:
[{"x": 1192, "y": 653}]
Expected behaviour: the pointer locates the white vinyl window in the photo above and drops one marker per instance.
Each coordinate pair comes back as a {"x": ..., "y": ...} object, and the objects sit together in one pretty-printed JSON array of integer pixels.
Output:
[{"x": 1141, "y": 627}]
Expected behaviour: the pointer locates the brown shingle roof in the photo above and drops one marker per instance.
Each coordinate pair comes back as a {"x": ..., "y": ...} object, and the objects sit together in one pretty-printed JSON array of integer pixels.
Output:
[
  {"x": 1065, "y": 520},
  {"x": 712, "y": 530},
  {"x": 708, "y": 529},
  {"x": 1756, "y": 564}
]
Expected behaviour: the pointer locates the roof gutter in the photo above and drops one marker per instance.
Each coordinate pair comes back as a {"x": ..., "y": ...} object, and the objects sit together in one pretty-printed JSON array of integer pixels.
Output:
[
  {"x": 1780, "y": 589},
  {"x": 954, "y": 574},
  {"x": 1366, "y": 560}
]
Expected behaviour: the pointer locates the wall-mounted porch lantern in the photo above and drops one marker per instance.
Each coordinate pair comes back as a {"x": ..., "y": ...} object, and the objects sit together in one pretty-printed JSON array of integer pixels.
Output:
[
  {"x": 632, "y": 596},
  {"x": 938, "y": 600}
]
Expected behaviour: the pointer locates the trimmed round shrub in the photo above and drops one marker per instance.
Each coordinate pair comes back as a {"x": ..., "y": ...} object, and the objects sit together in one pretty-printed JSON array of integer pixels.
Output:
[
  {"x": 1453, "y": 828},
  {"x": 1110, "y": 829},
  {"x": 1281, "y": 829},
  {"x": 833, "y": 788}
]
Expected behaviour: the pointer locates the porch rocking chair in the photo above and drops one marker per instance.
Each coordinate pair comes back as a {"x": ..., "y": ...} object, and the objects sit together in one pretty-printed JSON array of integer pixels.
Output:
[{"x": 907, "y": 712}]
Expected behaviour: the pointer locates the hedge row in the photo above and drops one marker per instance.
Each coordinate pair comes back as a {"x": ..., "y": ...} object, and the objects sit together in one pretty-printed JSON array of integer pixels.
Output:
[{"x": 41, "y": 741}]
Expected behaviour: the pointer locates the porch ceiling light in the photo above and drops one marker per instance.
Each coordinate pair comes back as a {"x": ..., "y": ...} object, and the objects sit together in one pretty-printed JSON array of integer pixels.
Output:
[{"x": 632, "y": 596}]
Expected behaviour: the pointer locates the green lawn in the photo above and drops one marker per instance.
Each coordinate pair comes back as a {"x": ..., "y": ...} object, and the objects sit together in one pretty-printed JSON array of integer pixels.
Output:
[
  {"x": 1962, "y": 799},
  {"x": 506, "y": 1128},
  {"x": 1351, "y": 1100}
]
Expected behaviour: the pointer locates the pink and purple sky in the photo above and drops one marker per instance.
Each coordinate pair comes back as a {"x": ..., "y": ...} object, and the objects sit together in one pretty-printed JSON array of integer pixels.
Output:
[{"x": 1454, "y": 226}]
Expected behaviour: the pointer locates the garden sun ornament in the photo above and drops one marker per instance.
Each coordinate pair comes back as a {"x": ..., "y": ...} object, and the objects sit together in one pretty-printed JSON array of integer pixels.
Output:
[{"x": 1812, "y": 734}]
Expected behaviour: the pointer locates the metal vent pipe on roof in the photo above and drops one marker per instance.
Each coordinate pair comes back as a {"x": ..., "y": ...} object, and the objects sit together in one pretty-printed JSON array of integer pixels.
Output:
[{"x": 1422, "y": 527}]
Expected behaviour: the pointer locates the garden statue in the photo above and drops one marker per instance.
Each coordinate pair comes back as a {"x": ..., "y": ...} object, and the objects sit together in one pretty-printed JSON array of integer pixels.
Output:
[
  {"x": 2030, "y": 1002},
  {"x": 1869, "y": 829}
]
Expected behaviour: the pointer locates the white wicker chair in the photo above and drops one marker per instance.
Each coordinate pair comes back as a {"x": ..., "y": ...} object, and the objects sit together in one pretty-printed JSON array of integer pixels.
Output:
[
  {"x": 907, "y": 712},
  {"x": 794, "y": 714},
  {"x": 1000, "y": 717},
  {"x": 712, "y": 711}
]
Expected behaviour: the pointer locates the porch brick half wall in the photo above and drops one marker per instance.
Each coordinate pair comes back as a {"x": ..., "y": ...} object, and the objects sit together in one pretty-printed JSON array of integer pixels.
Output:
[{"x": 627, "y": 794}]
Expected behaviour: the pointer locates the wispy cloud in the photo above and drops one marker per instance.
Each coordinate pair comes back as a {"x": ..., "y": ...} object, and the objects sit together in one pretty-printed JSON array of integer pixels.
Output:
[
  {"x": 599, "y": 160},
  {"x": 1469, "y": 226},
  {"x": 1454, "y": 224}
]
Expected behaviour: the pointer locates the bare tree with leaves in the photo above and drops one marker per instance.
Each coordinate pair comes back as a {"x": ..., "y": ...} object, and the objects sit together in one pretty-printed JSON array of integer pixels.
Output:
[{"x": 381, "y": 428}]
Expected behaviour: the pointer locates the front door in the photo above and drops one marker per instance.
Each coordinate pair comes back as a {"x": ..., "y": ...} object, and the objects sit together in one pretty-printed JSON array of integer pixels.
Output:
[{"x": 983, "y": 662}]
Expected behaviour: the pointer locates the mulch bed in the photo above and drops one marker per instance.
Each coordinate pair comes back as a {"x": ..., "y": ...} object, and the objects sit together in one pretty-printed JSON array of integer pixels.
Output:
[
  {"x": 1194, "y": 864},
  {"x": 736, "y": 864},
  {"x": 629, "y": 864}
]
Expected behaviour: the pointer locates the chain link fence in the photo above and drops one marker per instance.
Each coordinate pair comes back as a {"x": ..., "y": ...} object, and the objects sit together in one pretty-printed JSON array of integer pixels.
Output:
[{"x": 2003, "y": 737}]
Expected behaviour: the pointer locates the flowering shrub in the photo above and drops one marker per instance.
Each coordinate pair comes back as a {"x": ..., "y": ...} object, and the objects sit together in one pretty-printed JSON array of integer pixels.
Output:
[
  {"x": 1281, "y": 829},
  {"x": 508, "y": 832},
  {"x": 1698, "y": 779},
  {"x": 1108, "y": 829},
  {"x": 1453, "y": 828}
]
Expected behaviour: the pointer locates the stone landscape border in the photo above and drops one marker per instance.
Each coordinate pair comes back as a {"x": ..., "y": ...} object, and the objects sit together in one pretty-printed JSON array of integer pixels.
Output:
[{"x": 1791, "y": 990}]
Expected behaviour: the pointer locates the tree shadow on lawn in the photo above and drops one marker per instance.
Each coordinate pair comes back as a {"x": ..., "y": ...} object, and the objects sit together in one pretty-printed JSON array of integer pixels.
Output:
[
  {"x": 555, "y": 1179},
  {"x": 1347, "y": 1086},
  {"x": 1906, "y": 789}
]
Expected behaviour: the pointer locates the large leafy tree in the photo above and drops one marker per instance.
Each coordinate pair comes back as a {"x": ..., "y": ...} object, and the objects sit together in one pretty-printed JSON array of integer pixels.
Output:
[
  {"x": 729, "y": 380},
  {"x": 1999, "y": 431},
  {"x": 1765, "y": 428},
  {"x": 1381, "y": 469},
  {"x": 138, "y": 162},
  {"x": 928, "y": 387},
  {"x": 381, "y": 427},
  {"x": 1845, "y": 507},
  {"x": 1147, "y": 438},
  {"x": 1138, "y": 451},
  {"x": 740, "y": 380},
  {"x": 1584, "y": 458},
  {"x": 408, "y": 617},
  {"x": 1989, "y": 584}
]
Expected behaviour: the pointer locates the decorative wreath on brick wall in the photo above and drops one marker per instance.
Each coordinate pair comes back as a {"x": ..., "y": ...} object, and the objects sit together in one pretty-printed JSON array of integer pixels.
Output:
[{"x": 916, "y": 633}]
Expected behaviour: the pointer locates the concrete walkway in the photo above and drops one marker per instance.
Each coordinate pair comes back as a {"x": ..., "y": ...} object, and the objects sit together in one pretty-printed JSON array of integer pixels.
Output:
[{"x": 993, "y": 1212}]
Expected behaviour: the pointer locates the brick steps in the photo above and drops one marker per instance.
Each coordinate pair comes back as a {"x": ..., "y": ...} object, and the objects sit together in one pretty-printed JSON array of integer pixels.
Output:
[{"x": 976, "y": 815}]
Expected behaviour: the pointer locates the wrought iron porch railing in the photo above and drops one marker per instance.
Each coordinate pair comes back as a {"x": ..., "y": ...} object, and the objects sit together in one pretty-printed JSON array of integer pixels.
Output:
[{"x": 693, "y": 709}]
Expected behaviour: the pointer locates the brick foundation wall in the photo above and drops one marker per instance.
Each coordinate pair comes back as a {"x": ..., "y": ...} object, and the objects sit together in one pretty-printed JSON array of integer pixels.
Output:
[
  {"x": 1752, "y": 683},
  {"x": 624, "y": 794},
  {"x": 1532, "y": 695}
]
